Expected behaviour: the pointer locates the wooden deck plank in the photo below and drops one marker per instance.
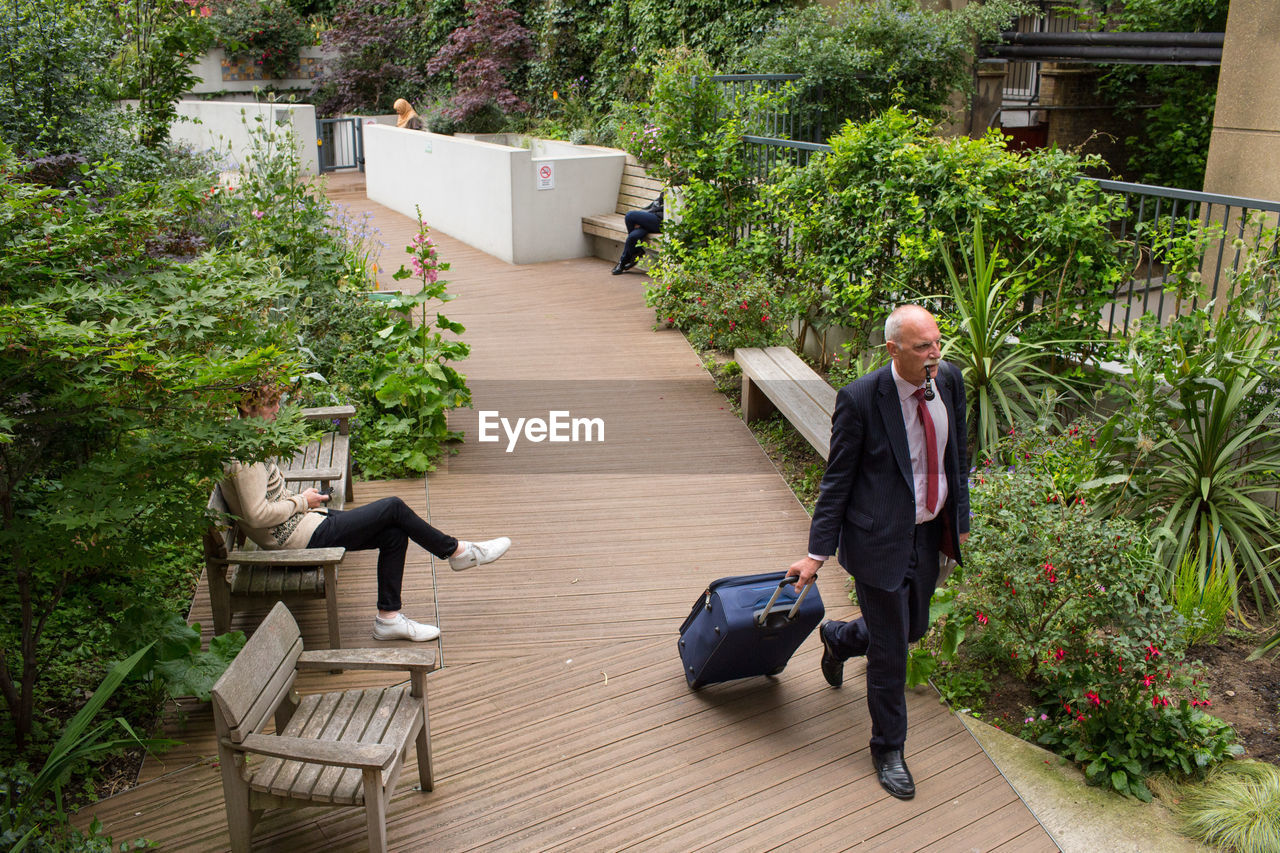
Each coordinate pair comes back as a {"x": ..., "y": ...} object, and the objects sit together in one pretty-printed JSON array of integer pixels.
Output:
[{"x": 560, "y": 718}]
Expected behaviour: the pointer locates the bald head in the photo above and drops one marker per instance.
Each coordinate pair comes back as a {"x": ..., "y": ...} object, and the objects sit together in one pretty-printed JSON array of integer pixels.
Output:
[{"x": 911, "y": 335}]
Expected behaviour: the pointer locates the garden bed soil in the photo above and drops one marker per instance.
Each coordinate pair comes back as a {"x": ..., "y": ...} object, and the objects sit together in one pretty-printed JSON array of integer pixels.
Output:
[{"x": 1244, "y": 693}]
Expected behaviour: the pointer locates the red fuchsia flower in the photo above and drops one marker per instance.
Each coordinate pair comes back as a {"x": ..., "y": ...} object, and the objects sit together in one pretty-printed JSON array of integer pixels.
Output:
[
  {"x": 743, "y": 306},
  {"x": 671, "y": 319},
  {"x": 981, "y": 617},
  {"x": 1093, "y": 697},
  {"x": 1080, "y": 718},
  {"x": 1059, "y": 654},
  {"x": 733, "y": 324},
  {"x": 1152, "y": 652},
  {"x": 1051, "y": 573},
  {"x": 764, "y": 318},
  {"x": 1159, "y": 701}
]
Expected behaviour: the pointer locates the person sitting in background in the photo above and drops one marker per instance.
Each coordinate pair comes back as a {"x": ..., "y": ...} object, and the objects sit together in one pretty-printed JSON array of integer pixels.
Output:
[
  {"x": 406, "y": 117},
  {"x": 640, "y": 224},
  {"x": 277, "y": 519}
]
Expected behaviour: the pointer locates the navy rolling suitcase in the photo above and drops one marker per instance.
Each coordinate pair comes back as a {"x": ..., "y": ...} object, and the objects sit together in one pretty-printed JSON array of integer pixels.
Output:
[{"x": 746, "y": 625}]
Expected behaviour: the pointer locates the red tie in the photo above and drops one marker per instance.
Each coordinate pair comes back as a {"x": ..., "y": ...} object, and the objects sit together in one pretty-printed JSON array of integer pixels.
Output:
[{"x": 930, "y": 453}]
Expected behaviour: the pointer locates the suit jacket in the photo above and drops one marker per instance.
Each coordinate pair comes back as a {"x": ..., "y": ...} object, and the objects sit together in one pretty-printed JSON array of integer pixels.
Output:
[{"x": 866, "y": 509}]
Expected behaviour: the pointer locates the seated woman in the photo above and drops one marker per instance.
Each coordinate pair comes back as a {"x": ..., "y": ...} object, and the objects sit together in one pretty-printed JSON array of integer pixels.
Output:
[
  {"x": 276, "y": 519},
  {"x": 640, "y": 224}
]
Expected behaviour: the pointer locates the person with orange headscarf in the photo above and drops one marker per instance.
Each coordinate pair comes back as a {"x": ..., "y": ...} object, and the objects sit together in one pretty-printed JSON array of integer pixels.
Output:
[{"x": 406, "y": 117}]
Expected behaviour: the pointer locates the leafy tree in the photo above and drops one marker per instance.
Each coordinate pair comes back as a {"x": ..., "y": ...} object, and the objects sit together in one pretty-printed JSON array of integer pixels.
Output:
[
  {"x": 379, "y": 59},
  {"x": 159, "y": 40},
  {"x": 481, "y": 56},
  {"x": 53, "y": 91},
  {"x": 859, "y": 58},
  {"x": 115, "y": 373}
]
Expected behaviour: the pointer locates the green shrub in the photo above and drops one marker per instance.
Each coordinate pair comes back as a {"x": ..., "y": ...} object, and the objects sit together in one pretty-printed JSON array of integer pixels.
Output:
[
  {"x": 1069, "y": 602},
  {"x": 1204, "y": 603},
  {"x": 1194, "y": 446},
  {"x": 717, "y": 300},
  {"x": 267, "y": 32}
]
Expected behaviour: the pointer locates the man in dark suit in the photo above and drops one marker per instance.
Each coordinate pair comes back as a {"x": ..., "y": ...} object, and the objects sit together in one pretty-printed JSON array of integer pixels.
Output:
[{"x": 895, "y": 493}]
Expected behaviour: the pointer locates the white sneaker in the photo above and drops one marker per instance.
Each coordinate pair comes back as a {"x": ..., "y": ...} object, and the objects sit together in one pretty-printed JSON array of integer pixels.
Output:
[
  {"x": 403, "y": 628},
  {"x": 479, "y": 553}
]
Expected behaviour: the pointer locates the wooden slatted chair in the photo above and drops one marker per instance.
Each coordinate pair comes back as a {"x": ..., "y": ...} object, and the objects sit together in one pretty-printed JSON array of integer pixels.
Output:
[
  {"x": 330, "y": 749},
  {"x": 242, "y": 577},
  {"x": 327, "y": 461}
]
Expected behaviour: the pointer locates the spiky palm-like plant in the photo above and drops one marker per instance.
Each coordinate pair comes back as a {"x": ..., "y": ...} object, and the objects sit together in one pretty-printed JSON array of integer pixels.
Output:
[{"x": 1004, "y": 375}]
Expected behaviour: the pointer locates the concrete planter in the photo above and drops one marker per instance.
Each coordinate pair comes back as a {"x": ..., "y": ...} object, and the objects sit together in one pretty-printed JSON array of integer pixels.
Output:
[
  {"x": 223, "y": 127},
  {"x": 521, "y": 199}
]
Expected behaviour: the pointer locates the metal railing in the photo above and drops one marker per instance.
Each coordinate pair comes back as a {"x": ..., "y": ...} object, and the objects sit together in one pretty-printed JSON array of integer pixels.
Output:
[
  {"x": 1166, "y": 233},
  {"x": 1170, "y": 233},
  {"x": 779, "y": 120}
]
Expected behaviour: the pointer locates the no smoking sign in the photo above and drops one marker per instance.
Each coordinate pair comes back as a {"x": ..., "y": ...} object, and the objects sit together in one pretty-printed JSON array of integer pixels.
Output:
[{"x": 546, "y": 177}]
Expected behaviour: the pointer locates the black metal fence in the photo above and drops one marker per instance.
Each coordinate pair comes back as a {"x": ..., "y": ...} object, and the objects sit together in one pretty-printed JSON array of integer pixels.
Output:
[
  {"x": 782, "y": 117},
  {"x": 1177, "y": 238},
  {"x": 1181, "y": 243}
]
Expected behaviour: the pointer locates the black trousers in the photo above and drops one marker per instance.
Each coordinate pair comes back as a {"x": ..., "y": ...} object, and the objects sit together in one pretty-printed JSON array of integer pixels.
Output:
[
  {"x": 640, "y": 224},
  {"x": 891, "y": 620},
  {"x": 387, "y": 525}
]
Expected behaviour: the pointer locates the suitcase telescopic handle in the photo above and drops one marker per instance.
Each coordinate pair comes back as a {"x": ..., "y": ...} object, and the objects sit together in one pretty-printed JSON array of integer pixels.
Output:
[{"x": 763, "y": 615}]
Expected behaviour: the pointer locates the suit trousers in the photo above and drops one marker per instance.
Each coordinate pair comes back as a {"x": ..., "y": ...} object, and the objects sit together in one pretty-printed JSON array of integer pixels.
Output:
[
  {"x": 891, "y": 620},
  {"x": 387, "y": 525}
]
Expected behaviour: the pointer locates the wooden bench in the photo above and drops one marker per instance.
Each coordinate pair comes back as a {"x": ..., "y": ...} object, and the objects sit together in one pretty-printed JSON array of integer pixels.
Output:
[
  {"x": 332, "y": 749},
  {"x": 240, "y": 575},
  {"x": 774, "y": 378},
  {"x": 609, "y": 230}
]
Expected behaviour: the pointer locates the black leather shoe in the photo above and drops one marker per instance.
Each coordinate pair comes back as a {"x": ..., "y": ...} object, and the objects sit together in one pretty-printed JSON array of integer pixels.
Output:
[
  {"x": 893, "y": 774},
  {"x": 619, "y": 269},
  {"x": 832, "y": 666}
]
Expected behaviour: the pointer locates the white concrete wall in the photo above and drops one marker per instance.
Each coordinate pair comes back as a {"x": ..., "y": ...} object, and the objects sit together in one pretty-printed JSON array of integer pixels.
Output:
[
  {"x": 224, "y": 127},
  {"x": 486, "y": 194}
]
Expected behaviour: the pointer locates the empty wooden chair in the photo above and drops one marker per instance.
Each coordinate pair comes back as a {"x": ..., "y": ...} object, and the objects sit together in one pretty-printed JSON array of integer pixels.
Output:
[{"x": 330, "y": 749}]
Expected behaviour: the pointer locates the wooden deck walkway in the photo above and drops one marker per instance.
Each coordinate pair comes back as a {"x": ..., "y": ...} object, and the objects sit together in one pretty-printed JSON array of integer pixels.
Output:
[{"x": 561, "y": 719}]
